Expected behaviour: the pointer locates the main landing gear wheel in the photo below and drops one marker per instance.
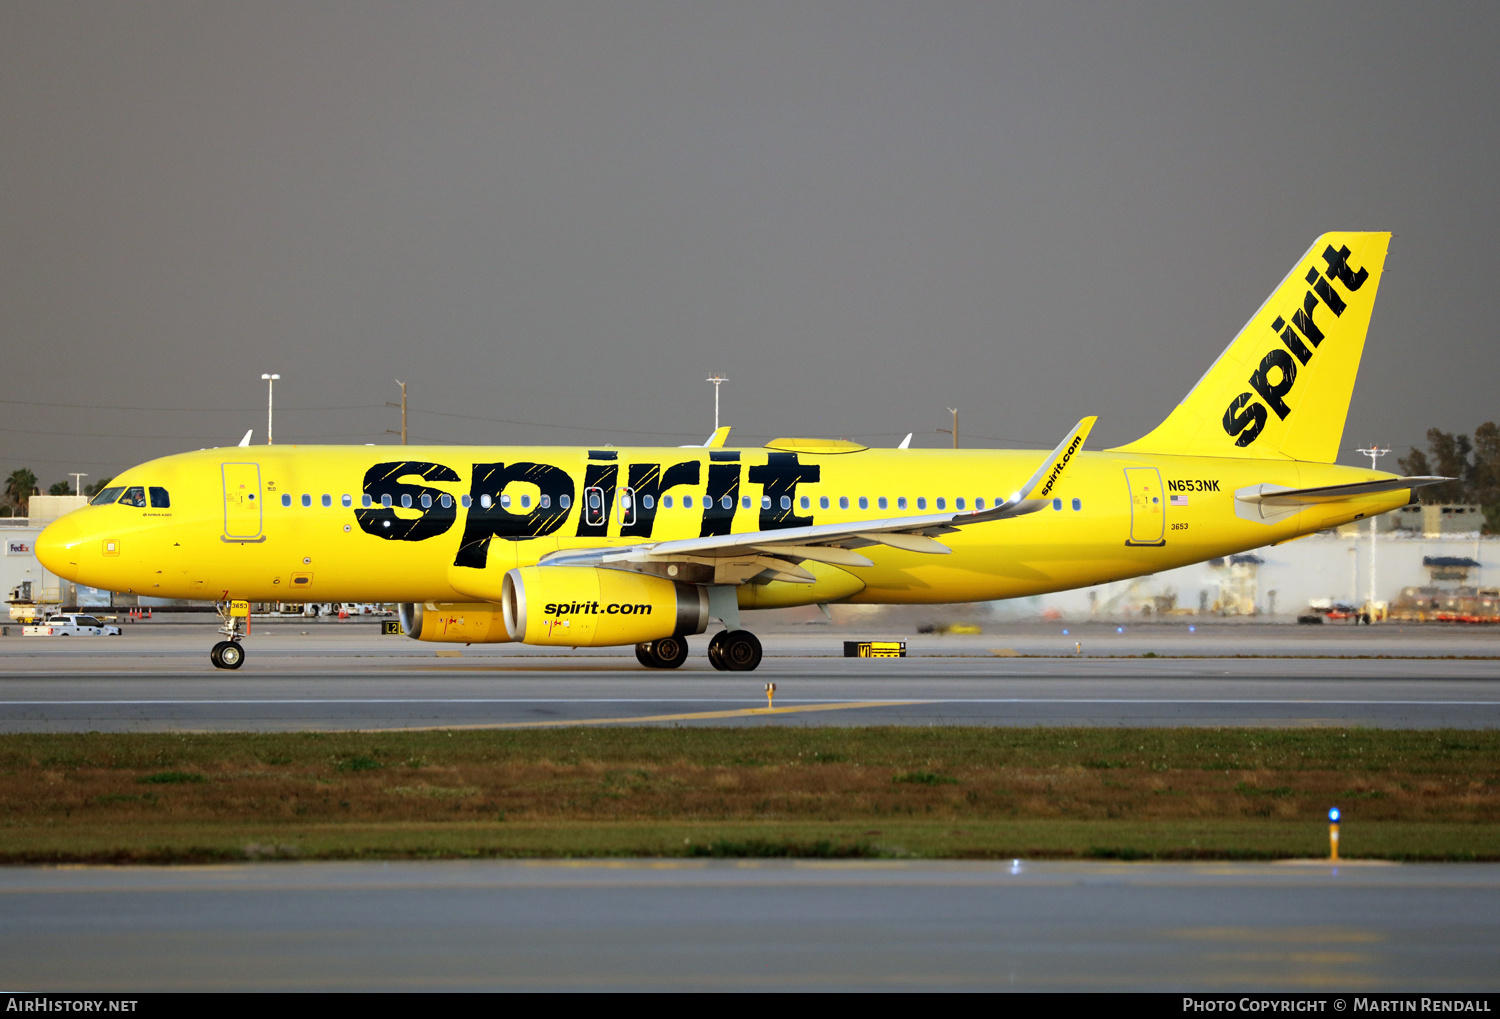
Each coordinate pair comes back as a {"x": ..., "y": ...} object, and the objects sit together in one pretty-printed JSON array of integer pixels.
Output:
[
  {"x": 666, "y": 653},
  {"x": 227, "y": 654},
  {"x": 734, "y": 651}
]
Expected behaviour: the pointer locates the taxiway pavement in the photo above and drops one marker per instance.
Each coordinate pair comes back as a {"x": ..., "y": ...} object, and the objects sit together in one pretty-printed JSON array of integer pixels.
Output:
[
  {"x": 625, "y": 925},
  {"x": 349, "y": 677}
]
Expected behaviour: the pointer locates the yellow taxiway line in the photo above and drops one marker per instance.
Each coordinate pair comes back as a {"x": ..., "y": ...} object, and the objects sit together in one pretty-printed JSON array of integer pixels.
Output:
[{"x": 694, "y": 716}]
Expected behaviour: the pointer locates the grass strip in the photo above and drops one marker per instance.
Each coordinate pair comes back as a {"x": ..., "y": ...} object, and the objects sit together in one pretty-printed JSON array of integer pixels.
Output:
[{"x": 959, "y": 793}]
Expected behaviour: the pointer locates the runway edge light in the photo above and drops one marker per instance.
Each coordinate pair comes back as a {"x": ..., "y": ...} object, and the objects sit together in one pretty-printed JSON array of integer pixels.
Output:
[{"x": 1333, "y": 833}]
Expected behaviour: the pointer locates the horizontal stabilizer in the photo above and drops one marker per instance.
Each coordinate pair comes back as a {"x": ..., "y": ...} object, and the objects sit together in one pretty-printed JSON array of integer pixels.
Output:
[{"x": 1278, "y": 495}]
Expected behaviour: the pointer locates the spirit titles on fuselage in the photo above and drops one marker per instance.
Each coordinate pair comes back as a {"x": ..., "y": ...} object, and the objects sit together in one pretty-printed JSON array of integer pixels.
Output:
[{"x": 489, "y": 516}]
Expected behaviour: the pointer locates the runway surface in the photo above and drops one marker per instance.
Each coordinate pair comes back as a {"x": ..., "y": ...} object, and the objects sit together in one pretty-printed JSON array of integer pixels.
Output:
[
  {"x": 340, "y": 677},
  {"x": 625, "y": 925}
]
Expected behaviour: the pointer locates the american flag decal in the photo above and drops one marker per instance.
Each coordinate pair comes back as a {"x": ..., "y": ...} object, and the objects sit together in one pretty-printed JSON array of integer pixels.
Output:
[{"x": 1179, "y": 500}]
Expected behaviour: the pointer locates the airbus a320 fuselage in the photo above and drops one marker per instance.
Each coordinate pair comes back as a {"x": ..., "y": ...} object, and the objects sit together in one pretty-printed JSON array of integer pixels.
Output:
[{"x": 583, "y": 547}]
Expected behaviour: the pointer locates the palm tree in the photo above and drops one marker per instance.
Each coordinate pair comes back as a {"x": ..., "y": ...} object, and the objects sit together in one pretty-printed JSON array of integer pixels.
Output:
[{"x": 20, "y": 487}]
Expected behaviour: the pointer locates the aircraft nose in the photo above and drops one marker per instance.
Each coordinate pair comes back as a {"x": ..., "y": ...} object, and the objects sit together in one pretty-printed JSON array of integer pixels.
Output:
[{"x": 59, "y": 544}]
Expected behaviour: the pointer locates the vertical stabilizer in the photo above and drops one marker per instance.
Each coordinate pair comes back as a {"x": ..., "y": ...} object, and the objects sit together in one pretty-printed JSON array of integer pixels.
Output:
[{"x": 1281, "y": 389}]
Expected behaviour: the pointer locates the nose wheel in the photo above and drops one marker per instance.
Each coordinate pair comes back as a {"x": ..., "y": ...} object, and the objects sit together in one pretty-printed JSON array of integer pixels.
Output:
[
  {"x": 227, "y": 654},
  {"x": 666, "y": 653},
  {"x": 734, "y": 651}
]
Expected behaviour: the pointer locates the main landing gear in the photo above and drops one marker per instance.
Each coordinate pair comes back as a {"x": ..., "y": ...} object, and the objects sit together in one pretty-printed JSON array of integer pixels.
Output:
[
  {"x": 228, "y": 654},
  {"x": 728, "y": 651},
  {"x": 666, "y": 653},
  {"x": 734, "y": 651}
]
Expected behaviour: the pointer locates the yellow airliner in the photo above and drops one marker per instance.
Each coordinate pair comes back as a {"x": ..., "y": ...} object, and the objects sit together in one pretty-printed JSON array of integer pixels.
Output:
[{"x": 617, "y": 546}]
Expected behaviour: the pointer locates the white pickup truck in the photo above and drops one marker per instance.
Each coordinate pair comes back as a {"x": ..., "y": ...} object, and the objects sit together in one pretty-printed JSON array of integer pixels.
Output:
[{"x": 78, "y": 625}]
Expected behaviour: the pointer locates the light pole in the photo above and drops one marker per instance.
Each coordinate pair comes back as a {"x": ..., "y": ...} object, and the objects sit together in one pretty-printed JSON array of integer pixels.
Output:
[
  {"x": 1374, "y": 453},
  {"x": 77, "y": 477},
  {"x": 717, "y": 380},
  {"x": 402, "y": 405},
  {"x": 270, "y": 403},
  {"x": 954, "y": 430}
]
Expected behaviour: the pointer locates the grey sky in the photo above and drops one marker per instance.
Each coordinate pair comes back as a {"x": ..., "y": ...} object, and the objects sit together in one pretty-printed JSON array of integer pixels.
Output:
[{"x": 572, "y": 213}]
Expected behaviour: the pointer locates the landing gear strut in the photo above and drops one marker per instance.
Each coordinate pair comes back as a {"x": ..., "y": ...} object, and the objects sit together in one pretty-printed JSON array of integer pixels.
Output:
[
  {"x": 666, "y": 653},
  {"x": 734, "y": 651},
  {"x": 228, "y": 654}
]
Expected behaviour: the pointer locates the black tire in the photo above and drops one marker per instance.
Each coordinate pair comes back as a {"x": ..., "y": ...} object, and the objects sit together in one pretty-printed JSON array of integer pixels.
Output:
[
  {"x": 643, "y": 655},
  {"x": 669, "y": 652},
  {"x": 213, "y": 654},
  {"x": 716, "y": 651},
  {"x": 742, "y": 651},
  {"x": 231, "y": 655}
]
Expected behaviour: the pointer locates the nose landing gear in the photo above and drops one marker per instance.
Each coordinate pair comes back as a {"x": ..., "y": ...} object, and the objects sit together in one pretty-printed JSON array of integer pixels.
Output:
[{"x": 228, "y": 654}]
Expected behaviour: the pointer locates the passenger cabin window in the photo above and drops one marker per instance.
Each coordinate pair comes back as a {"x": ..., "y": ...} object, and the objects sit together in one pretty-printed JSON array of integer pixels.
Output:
[
  {"x": 979, "y": 504},
  {"x": 107, "y": 496},
  {"x": 327, "y": 500},
  {"x": 466, "y": 501},
  {"x": 786, "y": 502},
  {"x": 594, "y": 501},
  {"x": 921, "y": 502},
  {"x": 646, "y": 501},
  {"x": 959, "y": 502},
  {"x": 426, "y": 501},
  {"x": 565, "y": 500},
  {"x": 687, "y": 502},
  {"x": 864, "y": 503},
  {"x": 806, "y": 502},
  {"x": 1078, "y": 504},
  {"x": 485, "y": 502},
  {"x": 901, "y": 502},
  {"x": 544, "y": 503},
  {"x": 745, "y": 502},
  {"x": 160, "y": 499},
  {"x": 727, "y": 502},
  {"x": 666, "y": 502},
  {"x": 365, "y": 500},
  {"x": 843, "y": 502},
  {"x": 765, "y": 502},
  {"x": 286, "y": 500},
  {"x": 385, "y": 501},
  {"x": 942, "y": 503},
  {"x": 134, "y": 497},
  {"x": 822, "y": 502},
  {"x": 525, "y": 501},
  {"x": 346, "y": 501},
  {"x": 306, "y": 499},
  {"x": 505, "y": 501},
  {"x": 1057, "y": 504},
  {"x": 881, "y": 502}
]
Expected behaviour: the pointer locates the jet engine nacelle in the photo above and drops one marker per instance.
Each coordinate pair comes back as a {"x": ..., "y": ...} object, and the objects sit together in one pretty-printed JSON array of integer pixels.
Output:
[
  {"x": 581, "y": 606},
  {"x": 454, "y": 622}
]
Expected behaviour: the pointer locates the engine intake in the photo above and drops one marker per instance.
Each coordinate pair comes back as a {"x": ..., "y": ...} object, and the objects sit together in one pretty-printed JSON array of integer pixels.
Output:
[{"x": 582, "y": 606}]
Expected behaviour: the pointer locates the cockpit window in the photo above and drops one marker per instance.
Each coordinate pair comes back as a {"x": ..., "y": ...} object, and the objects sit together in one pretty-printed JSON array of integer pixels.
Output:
[
  {"x": 160, "y": 499},
  {"x": 135, "y": 496},
  {"x": 107, "y": 496}
]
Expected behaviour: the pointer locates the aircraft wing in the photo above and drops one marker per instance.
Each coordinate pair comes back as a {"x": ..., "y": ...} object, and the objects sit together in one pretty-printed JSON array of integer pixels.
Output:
[{"x": 834, "y": 543}]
